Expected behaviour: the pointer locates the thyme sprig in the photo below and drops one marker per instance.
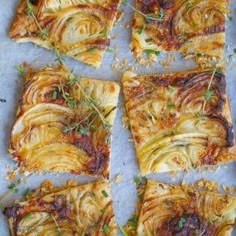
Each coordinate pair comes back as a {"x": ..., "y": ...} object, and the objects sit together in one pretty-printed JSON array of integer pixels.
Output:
[
  {"x": 72, "y": 103},
  {"x": 209, "y": 93},
  {"x": 12, "y": 188},
  {"x": 148, "y": 17}
]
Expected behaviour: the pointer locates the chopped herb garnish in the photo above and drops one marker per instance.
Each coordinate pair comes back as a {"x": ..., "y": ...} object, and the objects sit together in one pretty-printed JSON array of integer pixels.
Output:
[
  {"x": 148, "y": 17},
  {"x": 109, "y": 50},
  {"x": 133, "y": 222},
  {"x": 21, "y": 70},
  {"x": 92, "y": 50},
  {"x": 172, "y": 88},
  {"x": 150, "y": 52},
  {"x": 170, "y": 106},
  {"x": 122, "y": 230},
  {"x": 104, "y": 193},
  {"x": 13, "y": 187},
  {"x": 189, "y": 4},
  {"x": 27, "y": 216},
  {"x": 139, "y": 180},
  {"x": 140, "y": 31},
  {"x": 27, "y": 192},
  {"x": 181, "y": 222},
  {"x": 54, "y": 95},
  {"x": 106, "y": 229},
  {"x": 208, "y": 95},
  {"x": 103, "y": 210}
]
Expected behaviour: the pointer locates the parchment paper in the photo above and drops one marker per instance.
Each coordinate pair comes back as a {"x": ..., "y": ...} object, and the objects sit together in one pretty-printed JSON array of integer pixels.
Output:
[{"x": 123, "y": 155}]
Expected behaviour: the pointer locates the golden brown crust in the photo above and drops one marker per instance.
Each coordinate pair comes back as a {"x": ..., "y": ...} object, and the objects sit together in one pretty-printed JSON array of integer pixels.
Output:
[
  {"x": 70, "y": 210},
  {"x": 43, "y": 137},
  {"x": 185, "y": 210},
  {"x": 193, "y": 27},
  {"x": 79, "y": 29},
  {"x": 173, "y": 126}
]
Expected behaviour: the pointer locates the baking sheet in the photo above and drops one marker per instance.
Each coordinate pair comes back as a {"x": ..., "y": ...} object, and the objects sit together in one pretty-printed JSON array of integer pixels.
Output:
[{"x": 123, "y": 155}]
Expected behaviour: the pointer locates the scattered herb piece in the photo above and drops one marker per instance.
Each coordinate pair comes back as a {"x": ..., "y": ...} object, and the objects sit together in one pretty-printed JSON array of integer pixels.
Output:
[
  {"x": 103, "y": 210},
  {"x": 140, "y": 31},
  {"x": 92, "y": 50},
  {"x": 109, "y": 50},
  {"x": 150, "y": 51},
  {"x": 139, "y": 180},
  {"x": 170, "y": 106},
  {"x": 133, "y": 222},
  {"x": 27, "y": 216},
  {"x": 181, "y": 222},
  {"x": 104, "y": 193},
  {"x": 122, "y": 230},
  {"x": 208, "y": 95},
  {"x": 106, "y": 229},
  {"x": 27, "y": 192},
  {"x": 21, "y": 70},
  {"x": 13, "y": 187},
  {"x": 172, "y": 88},
  {"x": 54, "y": 95}
]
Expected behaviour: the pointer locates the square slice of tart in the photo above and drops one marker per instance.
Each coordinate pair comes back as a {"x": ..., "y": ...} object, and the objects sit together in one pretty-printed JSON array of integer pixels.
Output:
[
  {"x": 180, "y": 121},
  {"x": 77, "y": 28},
  {"x": 185, "y": 210},
  {"x": 69, "y": 210},
  {"x": 64, "y": 123},
  {"x": 192, "y": 27}
]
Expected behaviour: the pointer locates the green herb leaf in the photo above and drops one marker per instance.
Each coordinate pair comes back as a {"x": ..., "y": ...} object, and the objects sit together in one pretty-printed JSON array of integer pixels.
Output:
[
  {"x": 150, "y": 51},
  {"x": 140, "y": 31},
  {"x": 139, "y": 180},
  {"x": 189, "y": 4},
  {"x": 21, "y": 70},
  {"x": 13, "y": 187},
  {"x": 106, "y": 229},
  {"x": 92, "y": 50},
  {"x": 133, "y": 222},
  {"x": 172, "y": 88},
  {"x": 105, "y": 194},
  {"x": 181, "y": 222},
  {"x": 208, "y": 95},
  {"x": 103, "y": 210},
  {"x": 27, "y": 216},
  {"x": 54, "y": 95},
  {"x": 27, "y": 192},
  {"x": 30, "y": 8},
  {"x": 122, "y": 230},
  {"x": 109, "y": 50},
  {"x": 171, "y": 106}
]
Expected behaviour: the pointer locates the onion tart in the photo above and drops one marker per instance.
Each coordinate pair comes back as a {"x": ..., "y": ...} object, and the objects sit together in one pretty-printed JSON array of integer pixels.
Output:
[
  {"x": 179, "y": 121},
  {"x": 192, "y": 27},
  {"x": 76, "y": 28},
  {"x": 64, "y": 123},
  {"x": 185, "y": 210},
  {"x": 70, "y": 210}
]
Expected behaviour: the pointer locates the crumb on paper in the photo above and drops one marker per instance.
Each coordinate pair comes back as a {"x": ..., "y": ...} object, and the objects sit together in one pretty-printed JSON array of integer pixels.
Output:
[
  {"x": 119, "y": 16},
  {"x": 117, "y": 179},
  {"x": 168, "y": 60}
]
